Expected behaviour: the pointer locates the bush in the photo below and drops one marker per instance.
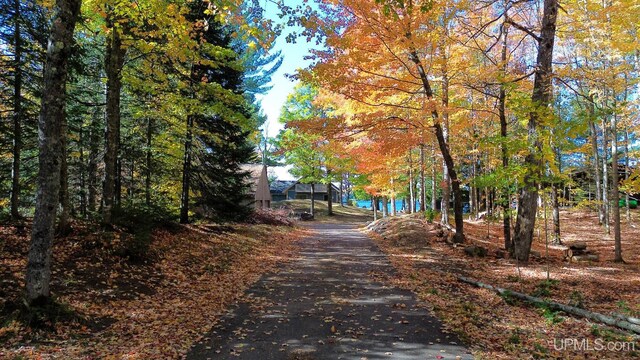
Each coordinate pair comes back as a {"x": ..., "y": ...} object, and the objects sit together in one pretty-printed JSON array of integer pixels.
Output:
[
  {"x": 430, "y": 215},
  {"x": 551, "y": 316},
  {"x": 139, "y": 221}
]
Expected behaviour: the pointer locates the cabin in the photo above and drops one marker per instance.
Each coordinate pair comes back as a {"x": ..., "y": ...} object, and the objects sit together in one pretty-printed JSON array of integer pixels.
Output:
[
  {"x": 582, "y": 185},
  {"x": 290, "y": 190},
  {"x": 278, "y": 189},
  {"x": 259, "y": 196}
]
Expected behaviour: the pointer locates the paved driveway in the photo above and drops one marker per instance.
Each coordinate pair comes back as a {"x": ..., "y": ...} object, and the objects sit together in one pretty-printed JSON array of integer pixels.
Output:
[{"x": 327, "y": 304}]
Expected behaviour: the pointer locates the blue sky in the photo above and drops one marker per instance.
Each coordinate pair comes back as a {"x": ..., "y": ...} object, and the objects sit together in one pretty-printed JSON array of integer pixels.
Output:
[{"x": 293, "y": 59}]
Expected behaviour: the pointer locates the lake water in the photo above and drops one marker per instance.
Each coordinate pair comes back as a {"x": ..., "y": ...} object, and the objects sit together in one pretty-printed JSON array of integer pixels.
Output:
[{"x": 366, "y": 204}]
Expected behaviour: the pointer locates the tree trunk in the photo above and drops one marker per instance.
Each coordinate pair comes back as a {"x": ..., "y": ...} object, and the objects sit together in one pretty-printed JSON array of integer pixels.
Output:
[
  {"x": 131, "y": 189},
  {"x": 17, "y": 114},
  {"x": 330, "y": 195},
  {"x": 487, "y": 202},
  {"x": 147, "y": 179},
  {"x": 617, "y": 321},
  {"x": 502, "y": 112},
  {"x": 186, "y": 173},
  {"x": 472, "y": 194},
  {"x": 38, "y": 272},
  {"x": 596, "y": 159},
  {"x": 446, "y": 180},
  {"x": 423, "y": 190},
  {"x": 626, "y": 172},
  {"x": 615, "y": 195},
  {"x": 541, "y": 98},
  {"x": 94, "y": 154},
  {"x": 434, "y": 182},
  {"x": 117, "y": 188},
  {"x": 374, "y": 206},
  {"x": 347, "y": 186},
  {"x": 394, "y": 210},
  {"x": 446, "y": 196},
  {"x": 412, "y": 195},
  {"x": 444, "y": 149},
  {"x": 556, "y": 215},
  {"x": 393, "y": 200},
  {"x": 83, "y": 174},
  {"x": 605, "y": 176},
  {"x": 341, "y": 190},
  {"x": 113, "y": 66},
  {"x": 313, "y": 199},
  {"x": 63, "y": 221},
  {"x": 385, "y": 207}
]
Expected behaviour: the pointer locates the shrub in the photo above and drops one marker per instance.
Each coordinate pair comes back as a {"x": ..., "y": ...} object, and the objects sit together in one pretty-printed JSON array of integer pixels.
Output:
[
  {"x": 139, "y": 221},
  {"x": 430, "y": 215}
]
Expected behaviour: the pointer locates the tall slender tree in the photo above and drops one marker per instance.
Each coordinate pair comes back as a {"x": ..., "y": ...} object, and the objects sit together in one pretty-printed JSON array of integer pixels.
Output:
[
  {"x": 38, "y": 275},
  {"x": 541, "y": 99}
]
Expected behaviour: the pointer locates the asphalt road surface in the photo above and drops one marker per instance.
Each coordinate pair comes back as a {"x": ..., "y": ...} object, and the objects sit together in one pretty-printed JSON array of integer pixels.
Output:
[{"x": 329, "y": 304}]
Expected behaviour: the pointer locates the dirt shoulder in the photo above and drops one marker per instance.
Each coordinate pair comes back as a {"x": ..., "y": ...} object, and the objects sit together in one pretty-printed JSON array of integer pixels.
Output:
[
  {"x": 502, "y": 327},
  {"x": 145, "y": 308}
]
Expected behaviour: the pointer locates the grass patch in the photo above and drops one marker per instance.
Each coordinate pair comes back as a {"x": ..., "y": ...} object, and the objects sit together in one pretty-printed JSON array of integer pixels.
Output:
[
  {"x": 340, "y": 213},
  {"x": 551, "y": 316}
]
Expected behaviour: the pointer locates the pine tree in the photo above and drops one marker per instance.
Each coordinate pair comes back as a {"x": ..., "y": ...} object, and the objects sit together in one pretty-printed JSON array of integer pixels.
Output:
[
  {"x": 22, "y": 41},
  {"x": 218, "y": 136}
]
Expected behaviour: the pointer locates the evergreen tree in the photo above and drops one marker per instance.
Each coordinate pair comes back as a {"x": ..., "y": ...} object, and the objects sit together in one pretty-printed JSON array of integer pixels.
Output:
[
  {"x": 218, "y": 139},
  {"x": 23, "y": 28}
]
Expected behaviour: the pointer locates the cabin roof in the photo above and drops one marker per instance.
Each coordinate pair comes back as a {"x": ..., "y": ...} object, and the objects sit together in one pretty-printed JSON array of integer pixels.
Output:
[
  {"x": 255, "y": 172},
  {"x": 306, "y": 188},
  {"x": 280, "y": 186}
]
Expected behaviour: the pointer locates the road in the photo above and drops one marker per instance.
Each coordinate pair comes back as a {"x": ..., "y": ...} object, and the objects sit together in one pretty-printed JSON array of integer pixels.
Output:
[{"x": 330, "y": 303}]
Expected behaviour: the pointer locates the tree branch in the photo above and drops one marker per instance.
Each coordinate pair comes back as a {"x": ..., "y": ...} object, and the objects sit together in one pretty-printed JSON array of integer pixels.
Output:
[{"x": 510, "y": 21}]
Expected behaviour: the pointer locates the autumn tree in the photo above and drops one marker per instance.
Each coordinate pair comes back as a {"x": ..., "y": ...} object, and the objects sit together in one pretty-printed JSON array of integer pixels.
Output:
[
  {"x": 368, "y": 62},
  {"x": 303, "y": 150},
  {"x": 540, "y": 99}
]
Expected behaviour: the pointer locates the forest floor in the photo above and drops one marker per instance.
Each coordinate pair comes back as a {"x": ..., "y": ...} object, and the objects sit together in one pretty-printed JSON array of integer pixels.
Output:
[
  {"x": 119, "y": 306},
  {"x": 501, "y": 327}
]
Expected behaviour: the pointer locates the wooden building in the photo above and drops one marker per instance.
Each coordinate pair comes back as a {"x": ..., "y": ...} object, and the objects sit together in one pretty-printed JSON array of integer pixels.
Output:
[
  {"x": 290, "y": 190},
  {"x": 259, "y": 195}
]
